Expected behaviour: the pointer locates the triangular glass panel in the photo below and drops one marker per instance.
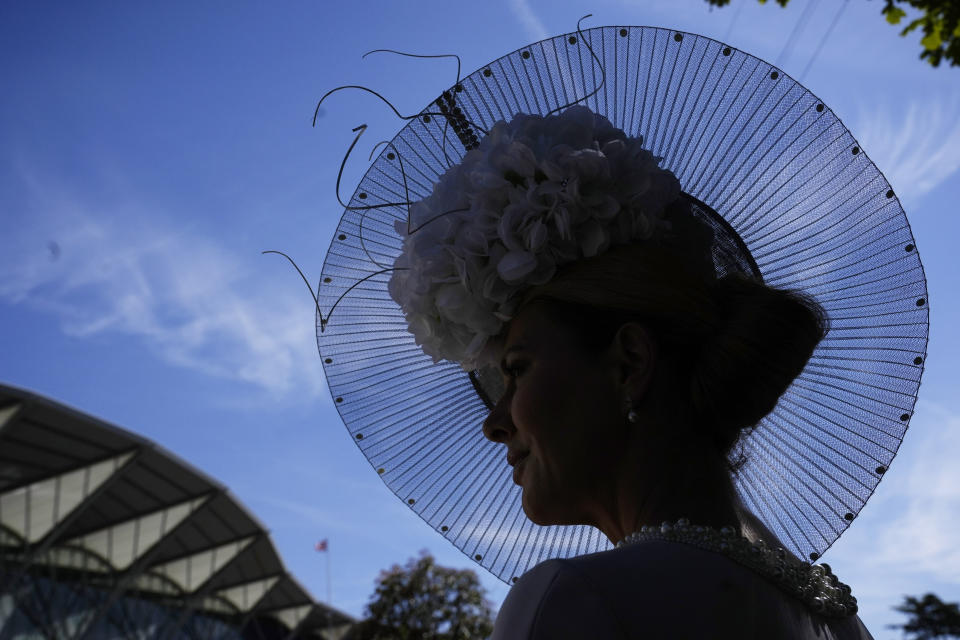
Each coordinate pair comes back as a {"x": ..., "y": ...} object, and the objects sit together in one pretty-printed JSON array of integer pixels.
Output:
[
  {"x": 32, "y": 511},
  {"x": 246, "y": 596},
  {"x": 193, "y": 571},
  {"x": 292, "y": 616},
  {"x": 7, "y": 413},
  {"x": 124, "y": 542}
]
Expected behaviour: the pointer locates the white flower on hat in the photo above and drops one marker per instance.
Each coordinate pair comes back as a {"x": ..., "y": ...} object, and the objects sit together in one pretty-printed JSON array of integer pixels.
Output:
[{"x": 539, "y": 192}]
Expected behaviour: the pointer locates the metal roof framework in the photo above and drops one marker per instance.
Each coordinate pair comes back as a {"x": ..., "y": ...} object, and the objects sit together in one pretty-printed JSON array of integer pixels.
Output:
[{"x": 103, "y": 532}]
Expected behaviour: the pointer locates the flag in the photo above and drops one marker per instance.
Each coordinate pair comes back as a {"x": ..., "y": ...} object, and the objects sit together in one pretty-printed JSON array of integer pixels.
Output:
[{"x": 321, "y": 546}]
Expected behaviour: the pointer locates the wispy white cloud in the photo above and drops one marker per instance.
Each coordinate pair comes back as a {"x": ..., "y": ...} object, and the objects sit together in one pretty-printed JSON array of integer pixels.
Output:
[
  {"x": 362, "y": 525},
  {"x": 905, "y": 541},
  {"x": 922, "y": 537},
  {"x": 312, "y": 516},
  {"x": 193, "y": 302},
  {"x": 530, "y": 21},
  {"x": 917, "y": 148}
]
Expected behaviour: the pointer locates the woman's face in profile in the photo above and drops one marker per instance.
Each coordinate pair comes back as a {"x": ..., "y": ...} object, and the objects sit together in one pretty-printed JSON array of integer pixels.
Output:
[{"x": 564, "y": 406}]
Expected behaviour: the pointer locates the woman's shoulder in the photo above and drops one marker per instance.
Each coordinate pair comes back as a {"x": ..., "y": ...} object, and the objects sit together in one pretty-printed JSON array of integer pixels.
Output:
[
  {"x": 613, "y": 594},
  {"x": 669, "y": 589},
  {"x": 654, "y": 570},
  {"x": 553, "y": 600},
  {"x": 673, "y": 584}
]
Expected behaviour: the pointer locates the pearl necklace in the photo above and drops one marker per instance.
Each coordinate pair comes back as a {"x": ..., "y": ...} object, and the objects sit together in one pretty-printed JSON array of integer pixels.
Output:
[{"x": 814, "y": 585}]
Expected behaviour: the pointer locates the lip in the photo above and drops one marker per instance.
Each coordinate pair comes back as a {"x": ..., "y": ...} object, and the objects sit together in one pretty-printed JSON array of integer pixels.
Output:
[
  {"x": 513, "y": 457},
  {"x": 518, "y": 469}
]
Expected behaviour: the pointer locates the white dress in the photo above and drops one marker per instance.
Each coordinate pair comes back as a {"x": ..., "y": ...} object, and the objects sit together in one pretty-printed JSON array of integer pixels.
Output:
[{"x": 662, "y": 590}]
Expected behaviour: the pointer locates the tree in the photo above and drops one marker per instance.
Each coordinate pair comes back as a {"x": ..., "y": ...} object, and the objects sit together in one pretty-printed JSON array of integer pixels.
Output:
[
  {"x": 929, "y": 618},
  {"x": 425, "y": 602},
  {"x": 940, "y": 20}
]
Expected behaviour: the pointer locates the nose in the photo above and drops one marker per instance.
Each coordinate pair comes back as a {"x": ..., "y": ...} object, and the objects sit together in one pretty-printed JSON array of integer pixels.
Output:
[{"x": 498, "y": 426}]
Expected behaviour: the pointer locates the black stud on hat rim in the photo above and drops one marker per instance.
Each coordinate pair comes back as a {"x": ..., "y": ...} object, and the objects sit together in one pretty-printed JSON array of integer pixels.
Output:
[{"x": 762, "y": 152}]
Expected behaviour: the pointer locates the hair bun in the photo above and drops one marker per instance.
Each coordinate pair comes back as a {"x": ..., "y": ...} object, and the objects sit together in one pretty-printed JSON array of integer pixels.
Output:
[{"x": 763, "y": 339}]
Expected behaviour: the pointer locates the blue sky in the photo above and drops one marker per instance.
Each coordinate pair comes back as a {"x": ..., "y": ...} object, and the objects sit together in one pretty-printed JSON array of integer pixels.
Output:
[{"x": 152, "y": 151}]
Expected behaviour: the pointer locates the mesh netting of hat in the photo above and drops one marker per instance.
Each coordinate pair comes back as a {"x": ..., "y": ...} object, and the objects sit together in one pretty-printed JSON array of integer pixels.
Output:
[{"x": 759, "y": 149}]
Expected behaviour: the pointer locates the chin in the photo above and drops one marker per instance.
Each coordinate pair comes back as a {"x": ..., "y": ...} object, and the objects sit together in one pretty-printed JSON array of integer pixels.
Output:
[
  {"x": 533, "y": 514},
  {"x": 544, "y": 517}
]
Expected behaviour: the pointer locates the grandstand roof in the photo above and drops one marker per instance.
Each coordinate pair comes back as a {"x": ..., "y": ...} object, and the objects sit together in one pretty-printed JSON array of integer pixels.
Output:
[{"x": 82, "y": 495}]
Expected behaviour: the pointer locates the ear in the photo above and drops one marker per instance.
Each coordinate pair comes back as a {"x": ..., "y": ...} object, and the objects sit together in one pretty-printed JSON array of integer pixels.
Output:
[{"x": 635, "y": 352}]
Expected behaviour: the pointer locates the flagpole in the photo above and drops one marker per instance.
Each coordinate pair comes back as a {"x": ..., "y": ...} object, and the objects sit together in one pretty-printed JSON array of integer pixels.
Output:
[{"x": 329, "y": 596}]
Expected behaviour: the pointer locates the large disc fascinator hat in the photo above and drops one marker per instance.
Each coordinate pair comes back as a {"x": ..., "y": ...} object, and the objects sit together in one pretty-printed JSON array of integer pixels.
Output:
[{"x": 561, "y": 150}]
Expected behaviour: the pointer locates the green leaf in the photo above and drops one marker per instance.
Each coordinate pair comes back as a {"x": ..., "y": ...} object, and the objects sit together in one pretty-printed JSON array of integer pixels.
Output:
[
  {"x": 932, "y": 40},
  {"x": 895, "y": 14}
]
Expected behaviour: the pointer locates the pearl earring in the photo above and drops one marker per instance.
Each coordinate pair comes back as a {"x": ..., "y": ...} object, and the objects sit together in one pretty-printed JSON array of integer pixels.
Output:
[{"x": 632, "y": 415}]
